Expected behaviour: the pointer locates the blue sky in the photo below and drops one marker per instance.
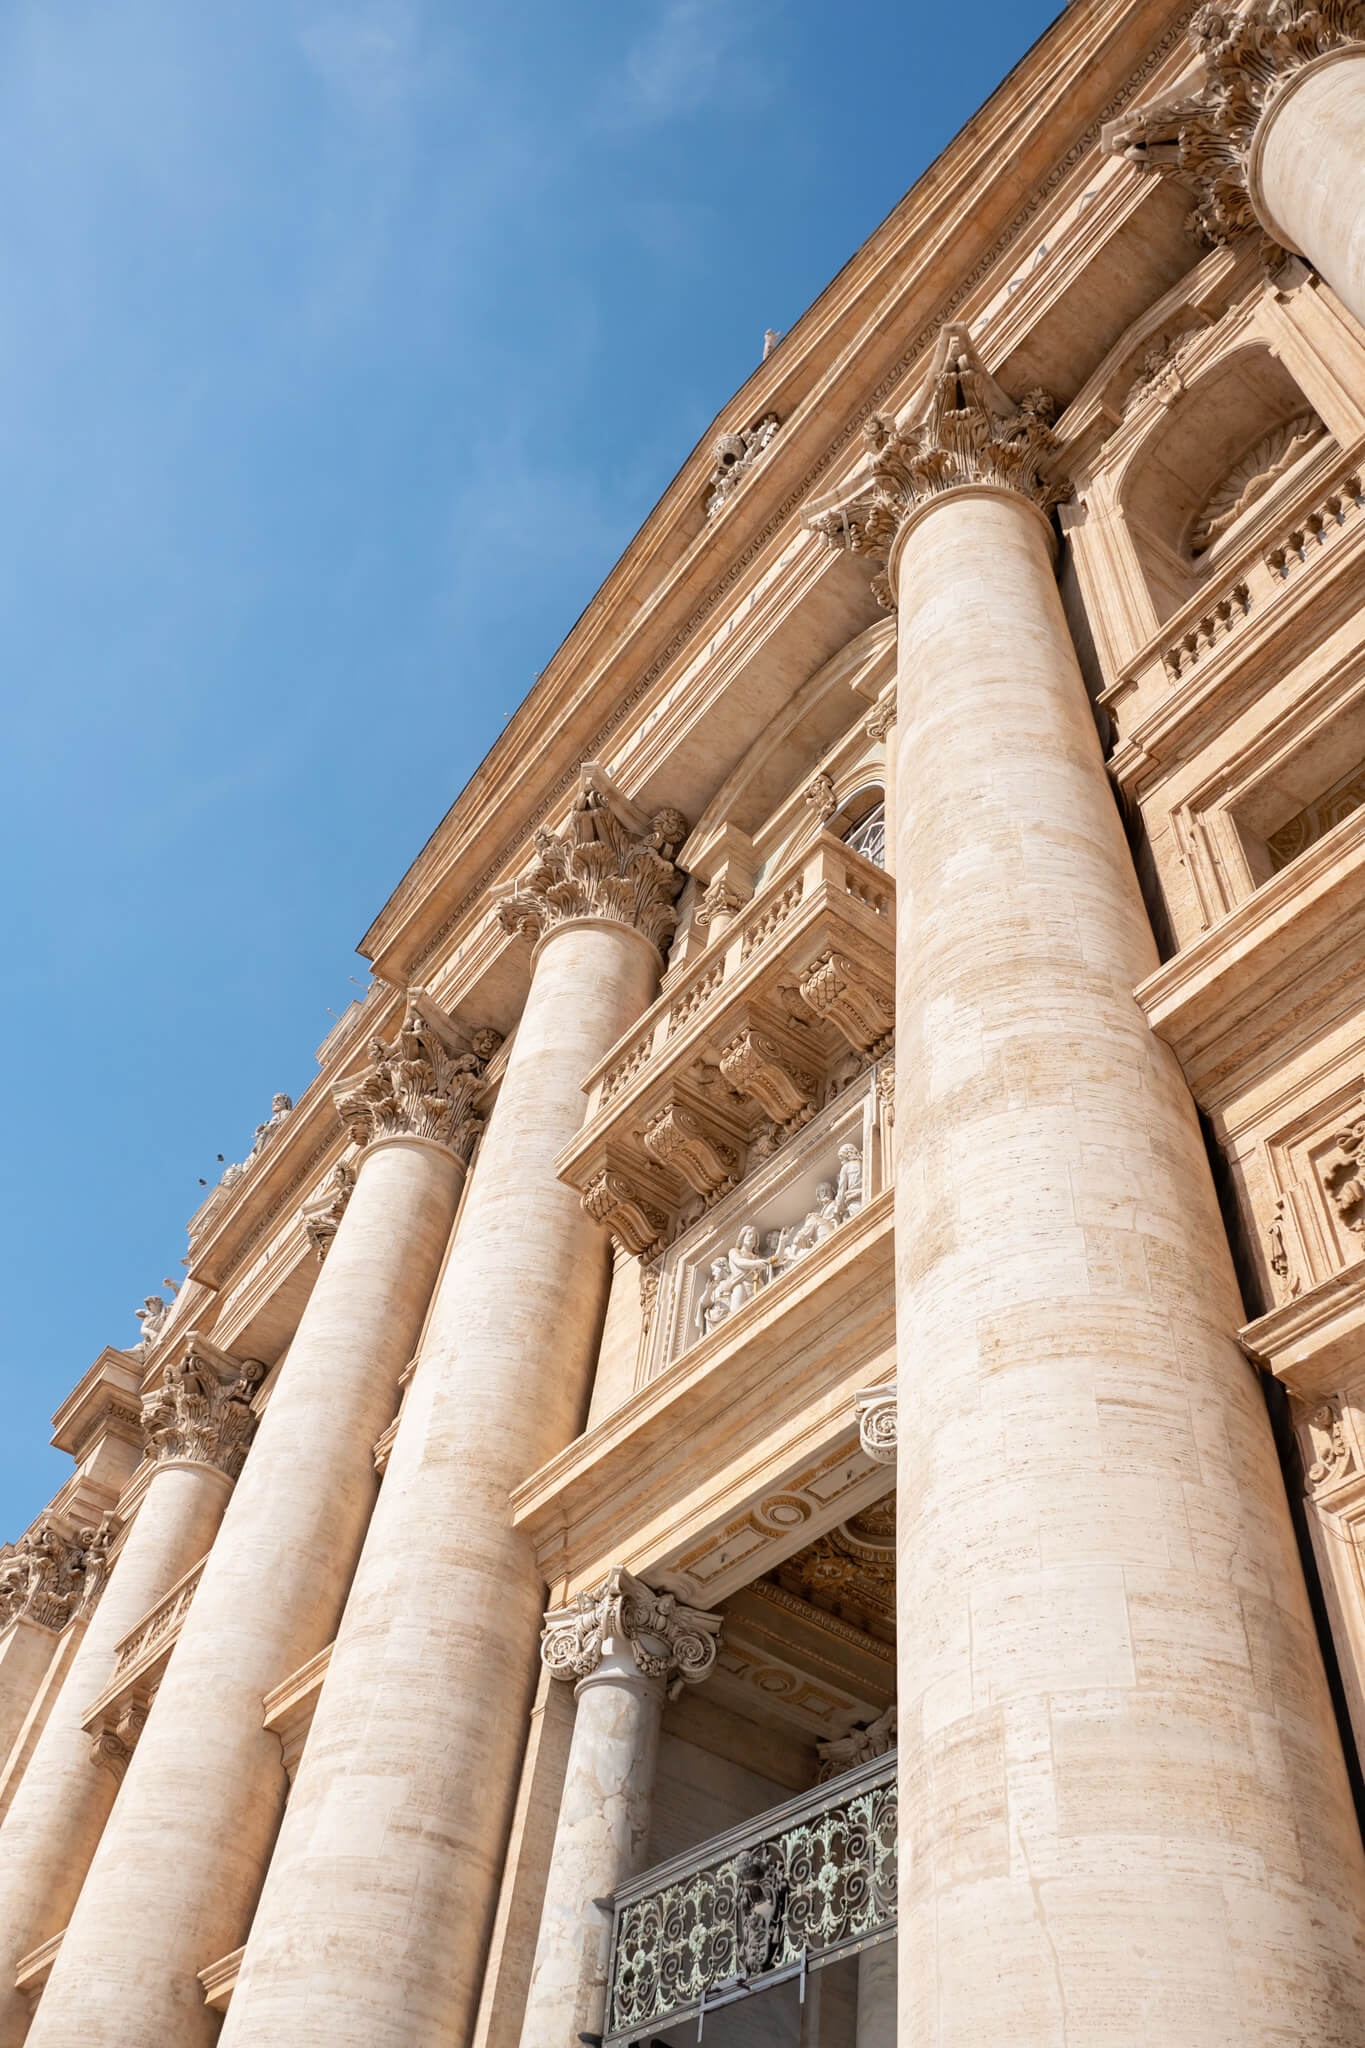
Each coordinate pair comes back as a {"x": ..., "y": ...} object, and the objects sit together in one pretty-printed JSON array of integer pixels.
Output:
[{"x": 342, "y": 349}]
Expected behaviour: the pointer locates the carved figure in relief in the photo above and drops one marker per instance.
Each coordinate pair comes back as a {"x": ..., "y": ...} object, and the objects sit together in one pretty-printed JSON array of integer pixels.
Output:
[
  {"x": 748, "y": 1269},
  {"x": 1280, "y": 1263},
  {"x": 849, "y": 1191},
  {"x": 819, "y": 1223},
  {"x": 714, "y": 1305},
  {"x": 1343, "y": 1175}
]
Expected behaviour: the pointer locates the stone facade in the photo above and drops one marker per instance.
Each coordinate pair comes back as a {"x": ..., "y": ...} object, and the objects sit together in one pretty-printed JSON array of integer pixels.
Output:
[{"x": 780, "y": 1434}]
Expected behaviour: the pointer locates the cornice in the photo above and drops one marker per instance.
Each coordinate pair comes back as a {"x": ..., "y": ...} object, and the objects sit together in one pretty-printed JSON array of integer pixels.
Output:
[
  {"x": 1314, "y": 1342},
  {"x": 840, "y": 362}
]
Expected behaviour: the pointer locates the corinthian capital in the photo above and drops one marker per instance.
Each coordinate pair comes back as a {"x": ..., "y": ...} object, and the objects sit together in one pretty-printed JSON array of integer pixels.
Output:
[
  {"x": 44, "y": 1577},
  {"x": 1245, "y": 55},
  {"x": 626, "y": 1617},
  {"x": 201, "y": 1413},
  {"x": 613, "y": 862},
  {"x": 422, "y": 1086},
  {"x": 966, "y": 432}
]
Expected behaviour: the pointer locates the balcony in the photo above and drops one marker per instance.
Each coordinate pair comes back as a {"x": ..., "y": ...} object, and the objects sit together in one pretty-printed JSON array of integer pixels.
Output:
[
  {"x": 778, "y": 1014},
  {"x": 760, "y": 1907}
]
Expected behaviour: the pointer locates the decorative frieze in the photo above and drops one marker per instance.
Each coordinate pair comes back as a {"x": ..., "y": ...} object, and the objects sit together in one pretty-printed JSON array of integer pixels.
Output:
[
  {"x": 678, "y": 1137},
  {"x": 860, "y": 1746},
  {"x": 43, "y": 1580},
  {"x": 201, "y": 1413},
  {"x": 323, "y": 1213},
  {"x": 1248, "y": 53},
  {"x": 422, "y": 1086},
  {"x": 613, "y": 862},
  {"x": 664, "y": 1638},
  {"x": 967, "y": 432},
  {"x": 876, "y": 1411},
  {"x": 758, "y": 1258},
  {"x": 841, "y": 992}
]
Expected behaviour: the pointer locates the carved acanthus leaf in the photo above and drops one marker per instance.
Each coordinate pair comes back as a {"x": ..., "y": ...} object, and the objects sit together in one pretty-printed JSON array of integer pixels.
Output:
[
  {"x": 967, "y": 432},
  {"x": 1343, "y": 1174},
  {"x": 422, "y": 1086},
  {"x": 679, "y": 1138},
  {"x": 878, "y": 1738},
  {"x": 323, "y": 1212},
  {"x": 43, "y": 1579},
  {"x": 612, "y": 1199},
  {"x": 623, "y": 1615},
  {"x": 1247, "y": 54},
  {"x": 719, "y": 900},
  {"x": 840, "y": 992},
  {"x": 754, "y": 1064},
  {"x": 612, "y": 862},
  {"x": 201, "y": 1413}
]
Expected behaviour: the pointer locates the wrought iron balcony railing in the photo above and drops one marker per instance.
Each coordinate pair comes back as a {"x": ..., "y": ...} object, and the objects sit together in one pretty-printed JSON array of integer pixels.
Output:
[{"x": 800, "y": 1886}]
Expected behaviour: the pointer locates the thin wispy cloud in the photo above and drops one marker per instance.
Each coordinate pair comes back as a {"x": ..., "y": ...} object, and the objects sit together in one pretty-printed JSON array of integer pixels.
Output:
[{"x": 695, "y": 56}]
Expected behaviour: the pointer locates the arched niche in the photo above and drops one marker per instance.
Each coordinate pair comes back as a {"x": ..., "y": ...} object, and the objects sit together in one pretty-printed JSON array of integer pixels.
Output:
[{"x": 1232, "y": 444}]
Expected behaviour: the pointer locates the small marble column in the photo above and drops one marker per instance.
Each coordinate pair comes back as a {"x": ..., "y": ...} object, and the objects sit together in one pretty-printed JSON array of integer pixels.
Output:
[
  {"x": 623, "y": 1644},
  {"x": 197, "y": 1427},
  {"x": 1273, "y": 136},
  {"x": 177, "y": 1872},
  {"x": 40, "y": 1587},
  {"x": 1123, "y": 1806},
  {"x": 398, "y": 1822}
]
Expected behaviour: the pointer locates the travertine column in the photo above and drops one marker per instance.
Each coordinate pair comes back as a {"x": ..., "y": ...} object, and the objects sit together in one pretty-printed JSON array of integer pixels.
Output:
[
  {"x": 1124, "y": 1809},
  {"x": 623, "y": 1643},
  {"x": 198, "y": 1424},
  {"x": 1273, "y": 135},
  {"x": 372, "y": 1924},
  {"x": 40, "y": 1585},
  {"x": 177, "y": 1872}
]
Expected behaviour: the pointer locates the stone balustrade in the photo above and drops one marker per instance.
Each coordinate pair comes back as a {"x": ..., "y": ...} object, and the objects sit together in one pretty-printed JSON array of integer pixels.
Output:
[
  {"x": 799, "y": 1886},
  {"x": 114, "y": 1719},
  {"x": 785, "y": 1007}
]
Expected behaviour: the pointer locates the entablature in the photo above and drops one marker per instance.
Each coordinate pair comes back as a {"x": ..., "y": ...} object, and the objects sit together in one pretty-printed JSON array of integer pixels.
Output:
[{"x": 741, "y": 1450}]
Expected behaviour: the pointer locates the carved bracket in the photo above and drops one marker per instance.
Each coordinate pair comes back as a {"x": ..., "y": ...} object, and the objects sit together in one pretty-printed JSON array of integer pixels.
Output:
[
  {"x": 614, "y": 1200},
  {"x": 841, "y": 992},
  {"x": 753, "y": 1063},
  {"x": 691, "y": 1145}
]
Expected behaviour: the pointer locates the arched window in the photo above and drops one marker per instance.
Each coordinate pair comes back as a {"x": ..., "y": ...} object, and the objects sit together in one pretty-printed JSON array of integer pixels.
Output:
[{"x": 860, "y": 822}]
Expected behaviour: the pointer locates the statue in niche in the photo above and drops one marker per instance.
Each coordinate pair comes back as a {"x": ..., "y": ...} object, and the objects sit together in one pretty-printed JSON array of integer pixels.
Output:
[
  {"x": 736, "y": 1277},
  {"x": 738, "y": 1274}
]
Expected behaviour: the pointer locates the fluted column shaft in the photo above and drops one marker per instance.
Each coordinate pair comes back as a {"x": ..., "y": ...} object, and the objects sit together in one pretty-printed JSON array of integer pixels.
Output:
[
  {"x": 63, "y": 1799},
  {"x": 1124, "y": 1809},
  {"x": 1306, "y": 176},
  {"x": 177, "y": 1872},
  {"x": 373, "y": 1922}
]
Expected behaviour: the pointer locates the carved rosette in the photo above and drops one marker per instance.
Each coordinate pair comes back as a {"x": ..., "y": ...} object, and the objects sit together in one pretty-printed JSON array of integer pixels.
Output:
[
  {"x": 613, "y": 1200},
  {"x": 323, "y": 1213},
  {"x": 840, "y": 992},
  {"x": 43, "y": 1580},
  {"x": 663, "y": 1638},
  {"x": 613, "y": 862},
  {"x": 201, "y": 1413},
  {"x": 422, "y": 1086},
  {"x": 968, "y": 432},
  {"x": 677, "y": 1137},
  {"x": 754, "y": 1064},
  {"x": 876, "y": 1412},
  {"x": 1248, "y": 54},
  {"x": 858, "y": 1747}
]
